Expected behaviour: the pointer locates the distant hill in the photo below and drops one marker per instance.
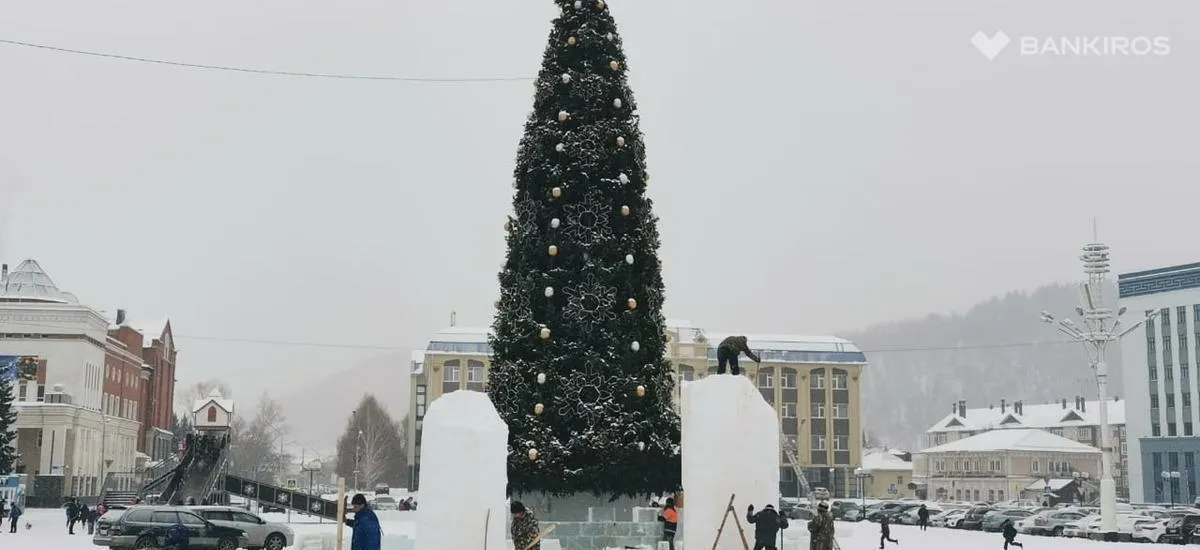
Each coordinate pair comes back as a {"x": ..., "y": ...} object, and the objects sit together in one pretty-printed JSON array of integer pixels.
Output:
[
  {"x": 317, "y": 414},
  {"x": 982, "y": 356}
]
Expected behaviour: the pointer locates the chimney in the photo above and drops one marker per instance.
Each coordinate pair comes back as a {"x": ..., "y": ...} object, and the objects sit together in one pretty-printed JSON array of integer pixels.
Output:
[
  {"x": 3, "y": 271},
  {"x": 1018, "y": 407},
  {"x": 962, "y": 409},
  {"x": 120, "y": 317},
  {"x": 991, "y": 406},
  {"x": 1116, "y": 398},
  {"x": 1064, "y": 403},
  {"x": 954, "y": 409},
  {"x": 1082, "y": 404},
  {"x": 1003, "y": 406}
]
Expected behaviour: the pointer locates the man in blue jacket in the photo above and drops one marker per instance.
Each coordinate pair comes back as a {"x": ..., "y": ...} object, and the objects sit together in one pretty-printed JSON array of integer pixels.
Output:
[
  {"x": 177, "y": 538},
  {"x": 367, "y": 534}
]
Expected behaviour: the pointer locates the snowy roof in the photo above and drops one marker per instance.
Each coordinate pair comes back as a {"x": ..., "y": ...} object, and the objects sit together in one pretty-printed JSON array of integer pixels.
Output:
[
  {"x": 1055, "y": 484},
  {"x": 687, "y": 331},
  {"x": 28, "y": 282},
  {"x": 418, "y": 361},
  {"x": 216, "y": 398},
  {"x": 151, "y": 330},
  {"x": 882, "y": 459},
  {"x": 787, "y": 348},
  {"x": 1020, "y": 439},
  {"x": 460, "y": 341},
  {"x": 1052, "y": 415}
]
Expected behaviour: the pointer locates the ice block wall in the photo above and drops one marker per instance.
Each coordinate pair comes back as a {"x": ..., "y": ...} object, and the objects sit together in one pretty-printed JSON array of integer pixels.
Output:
[
  {"x": 464, "y": 448},
  {"x": 730, "y": 441}
]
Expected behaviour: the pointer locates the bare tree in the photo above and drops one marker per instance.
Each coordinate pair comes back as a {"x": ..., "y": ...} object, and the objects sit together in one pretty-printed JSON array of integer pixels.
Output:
[
  {"x": 257, "y": 451},
  {"x": 372, "y": 447}
]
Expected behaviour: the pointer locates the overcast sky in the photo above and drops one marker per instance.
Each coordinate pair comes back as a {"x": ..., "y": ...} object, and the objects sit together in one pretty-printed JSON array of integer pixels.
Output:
[{"x": 817, "y": 165}]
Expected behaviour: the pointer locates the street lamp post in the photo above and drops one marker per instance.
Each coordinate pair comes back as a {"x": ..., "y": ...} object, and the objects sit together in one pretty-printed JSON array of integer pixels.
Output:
[
  {"x": 1100, "y": 328},
  {"x": 862, "y": 475}
]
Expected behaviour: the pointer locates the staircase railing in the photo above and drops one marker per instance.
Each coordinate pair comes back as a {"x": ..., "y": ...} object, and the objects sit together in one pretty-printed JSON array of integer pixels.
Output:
[{"x": 210, "y": 484}]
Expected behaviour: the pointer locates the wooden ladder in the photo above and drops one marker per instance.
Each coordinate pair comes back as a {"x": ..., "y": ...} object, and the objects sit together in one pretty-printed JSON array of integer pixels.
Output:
[{"x": 736, "y": 521}]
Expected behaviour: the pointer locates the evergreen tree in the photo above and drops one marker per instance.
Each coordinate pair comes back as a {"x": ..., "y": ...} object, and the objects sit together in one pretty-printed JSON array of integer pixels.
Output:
[
  {"x": 578, "y": 372},
  {"x": 8, "y": 433}
]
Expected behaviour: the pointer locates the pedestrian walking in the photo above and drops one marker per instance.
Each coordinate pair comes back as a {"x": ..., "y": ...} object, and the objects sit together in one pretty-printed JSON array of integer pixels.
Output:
[
  {"x": 923, "y": 517},
  {"x": 885, "y": 531},
  {"x": 1010, "y": 534}
]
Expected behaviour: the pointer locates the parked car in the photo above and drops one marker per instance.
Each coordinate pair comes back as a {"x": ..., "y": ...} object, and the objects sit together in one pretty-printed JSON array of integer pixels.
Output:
[
  {"x": 145, "y": 528},
  {"x": 885, "y": 508},
  {"x": 260, "y": 533},
  {"x": 1179, "y": 529},
  {"x": 382, "y": 503},
  {"x": 994, "y": 521},
  {"x": 973, "y": 521},
  {"x": 1081, "y": 528},
  {"x": 943, "y": 519},
  {"x": 383, "y": 489},
  {"x": 1149, "y": 530},
  {"x": 1055, "y": 523}
]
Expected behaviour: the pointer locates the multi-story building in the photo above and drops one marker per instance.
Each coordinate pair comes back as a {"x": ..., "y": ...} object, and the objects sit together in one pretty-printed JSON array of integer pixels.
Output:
[
  {"x": 1077, "y": 419},
  {"x": 812, "y": 381},
  {"x": 886, "y": 474},
  {"x": 1159, "y": 361},
  {"x": 78, "y": 385},
  {"x": 1001, "y": 465}
]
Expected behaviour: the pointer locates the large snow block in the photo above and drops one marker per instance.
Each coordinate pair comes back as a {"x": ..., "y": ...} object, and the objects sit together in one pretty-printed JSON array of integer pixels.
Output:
[
  {"x": 730, "y": 440},
  {"x": 464, "y": 449}
]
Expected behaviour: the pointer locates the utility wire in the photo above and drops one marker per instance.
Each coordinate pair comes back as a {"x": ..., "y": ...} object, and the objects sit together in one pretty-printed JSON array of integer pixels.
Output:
[
  {"x": 421, "y": 346},
  {"x": 271, "y": 72}
]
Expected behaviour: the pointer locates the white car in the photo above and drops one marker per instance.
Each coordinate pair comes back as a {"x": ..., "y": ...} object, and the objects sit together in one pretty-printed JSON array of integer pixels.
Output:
[
  {"x": 1081, "y": 528},
  {"x": 1149, "y": 530},
  {"x": 261, "y": 534},
  {"x": 943, "y": 519}
]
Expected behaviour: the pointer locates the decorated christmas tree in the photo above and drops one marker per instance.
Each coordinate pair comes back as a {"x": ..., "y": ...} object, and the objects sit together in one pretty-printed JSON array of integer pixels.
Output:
[
  {"x": 8, "y": 430},
  {"x": 578, "y": 370}
]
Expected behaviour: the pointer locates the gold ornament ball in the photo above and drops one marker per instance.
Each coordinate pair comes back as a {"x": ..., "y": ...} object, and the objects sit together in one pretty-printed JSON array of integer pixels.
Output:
[
  {"x": 533, "y": 454},
  {"x": 563, "y": 116},
  {"x": 620, "y": 141},
  {"x": 624, "y": 210},
  {"x": 614, "y": 65},
  {"x": 641, "y": 391},
  {"x": 545, "y": 333},
  {"x": 556, "y": 192},
  {"x": 508, "y": 226},
  {"x": 600, "y": 4},
  {"x": 553, "y": 250},
  {"x": 539, "y": 409},
  {"x": 632, "y": 303},
  {"x": 571, "y": 41},
  {"x": 666, "y": 337},
  {"x": 497, "y": 304}
]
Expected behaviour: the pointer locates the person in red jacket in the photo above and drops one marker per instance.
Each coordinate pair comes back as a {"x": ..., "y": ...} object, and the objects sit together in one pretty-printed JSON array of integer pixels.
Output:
[{"x": 670, "y": 518}]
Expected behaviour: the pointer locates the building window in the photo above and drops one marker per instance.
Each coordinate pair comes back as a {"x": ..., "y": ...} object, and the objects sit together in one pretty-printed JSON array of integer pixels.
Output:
[
  {"x": 788, "y": 410},
  {"x": 818, "y": 443},
  {"x": 766, "y": 380},
  {"x": 991, "y": 495},
  {"x": 212, "y": 414},
  {"x": 1170, "y": 429},
  {"x": 787, "y": 379},
  {"x": 450, "y": 372},
  {"x": 475, "y": 372},
  {"x": 1000, "y": 495},
  {"x": 1155, "y": 429},
  {"x": 841, "y": 410},
  {"x": 818, "y": 410},
  {"x": 1170, "y": 401},
  {"x": 1037, "y": 466},
  {"x": 687, "y": 373},
  {"x": 839, "y": 382},
  {"x": 816, "y": 380},
  {"x": 841, "y": 443},
  {"x": 1187, "y": 428}
]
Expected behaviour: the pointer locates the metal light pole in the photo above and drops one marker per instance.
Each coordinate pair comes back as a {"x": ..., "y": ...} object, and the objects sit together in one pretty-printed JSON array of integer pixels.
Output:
[{"x": 1100, "y": 328}]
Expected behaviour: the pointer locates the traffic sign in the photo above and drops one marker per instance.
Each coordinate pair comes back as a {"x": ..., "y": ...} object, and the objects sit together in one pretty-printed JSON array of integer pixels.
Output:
[{"x": 291, "y": 484}]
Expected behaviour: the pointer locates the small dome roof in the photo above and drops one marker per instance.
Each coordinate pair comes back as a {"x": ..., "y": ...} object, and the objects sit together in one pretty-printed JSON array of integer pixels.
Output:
[{"x": 28, "y": 282}]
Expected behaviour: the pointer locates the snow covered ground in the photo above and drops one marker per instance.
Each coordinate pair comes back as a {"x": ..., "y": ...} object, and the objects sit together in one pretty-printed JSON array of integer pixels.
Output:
[{"x": 49, "y": 531}]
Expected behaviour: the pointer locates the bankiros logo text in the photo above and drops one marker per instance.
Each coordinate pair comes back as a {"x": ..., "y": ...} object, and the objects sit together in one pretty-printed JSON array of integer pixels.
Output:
[{"x": 1074, "y": 46}]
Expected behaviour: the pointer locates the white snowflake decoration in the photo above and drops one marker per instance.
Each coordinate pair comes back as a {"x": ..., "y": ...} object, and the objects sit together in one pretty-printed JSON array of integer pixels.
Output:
[
  {"x": 590, "y": 303},
  {"x": 587, "y": 394},
  {"x": 588, "y": 220}
]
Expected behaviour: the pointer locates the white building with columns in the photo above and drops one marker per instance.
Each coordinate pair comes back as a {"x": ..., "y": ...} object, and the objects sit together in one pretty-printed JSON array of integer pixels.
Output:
[{"x": 55, "y": 348}]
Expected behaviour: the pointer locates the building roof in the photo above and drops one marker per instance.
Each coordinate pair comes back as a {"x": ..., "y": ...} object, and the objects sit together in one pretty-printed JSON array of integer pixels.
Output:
[
  {"x": 213, "y": 397},
  {"x": 884, "y": 459},
  {"x": 151, "y": 330},
  {"x": 1047, "y": 416},
  {"x": 1055, "y": 484},
  {"x": 1021, "y": 439},
  {"x": 1163, "y": 279},
  {"x": 28, "y": 282}
]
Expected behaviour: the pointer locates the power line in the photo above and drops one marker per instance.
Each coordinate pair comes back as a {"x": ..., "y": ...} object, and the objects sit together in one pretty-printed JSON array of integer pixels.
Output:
[
  {"x": 271, "y": 72},
  {"x": 421, "y": 346}
]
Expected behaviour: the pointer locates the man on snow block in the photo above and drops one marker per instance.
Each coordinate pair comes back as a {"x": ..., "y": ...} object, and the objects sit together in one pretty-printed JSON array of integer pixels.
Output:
[{"x": 728, "y": 351}]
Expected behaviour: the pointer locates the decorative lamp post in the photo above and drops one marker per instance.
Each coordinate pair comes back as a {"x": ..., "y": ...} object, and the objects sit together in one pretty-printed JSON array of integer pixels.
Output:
[
  {"x": 832, "y": 483},
  {"x": 1169, "y": 480},
  {"x": 1100, "y": 328}
]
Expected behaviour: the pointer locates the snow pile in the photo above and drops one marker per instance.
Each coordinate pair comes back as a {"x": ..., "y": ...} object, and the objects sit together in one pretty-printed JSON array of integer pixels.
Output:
[
  {"x": 464, "y": 451},
  {"x": 730, "y": 445}
]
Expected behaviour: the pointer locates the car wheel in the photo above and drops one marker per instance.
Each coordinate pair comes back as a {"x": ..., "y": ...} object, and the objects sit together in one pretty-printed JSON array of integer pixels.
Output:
[
  {"x": 145, "y": 543},
  {"x": 227, "y": 544},
  {"x": 275, "y": 541},
  {"x": 1058, "y": 531}
]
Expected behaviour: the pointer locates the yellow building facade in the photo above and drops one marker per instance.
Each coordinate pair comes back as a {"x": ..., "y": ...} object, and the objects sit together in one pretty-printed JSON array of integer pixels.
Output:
[{"x": 813, "y": 382}]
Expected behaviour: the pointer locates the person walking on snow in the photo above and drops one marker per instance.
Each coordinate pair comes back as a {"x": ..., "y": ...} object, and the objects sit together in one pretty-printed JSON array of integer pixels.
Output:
[
  {"x": 1010, "y": 533},
  {"x": 923, "y": 517},
  {"x": 820, "y": 529},
  {"x": 14, "y": 514},
  {"x": 767, "y": 524},
  {"x": 72, "y": 515},
  {"x": 885, "y": 531},
  {"x": 367, "y": 535},
  {"x": 525, "y": 533},
  {"x": 728, "y": 351},
  {"x": 670, "y": 518}
]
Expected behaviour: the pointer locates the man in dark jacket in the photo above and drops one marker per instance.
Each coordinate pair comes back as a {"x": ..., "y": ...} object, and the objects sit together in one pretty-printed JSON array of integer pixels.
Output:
[
  {"x": 767, "y": 524},
  {"x": 885, "y": 531},
  {"x": 524, "y": 528},
  {"x": 1010, "y": 533},
  {"x": 176, "y": 538},
  {"x": 367, "y": 535},
  {"x": 923, "y": 517},
  {"x": 728, "y": 351},
  {"x": 72, "y": 515}
]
